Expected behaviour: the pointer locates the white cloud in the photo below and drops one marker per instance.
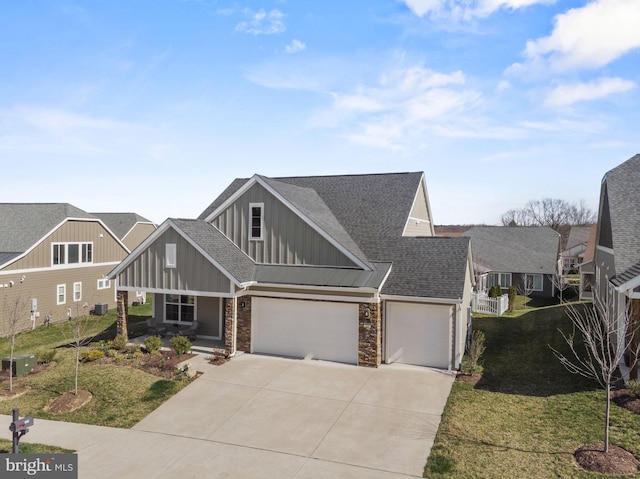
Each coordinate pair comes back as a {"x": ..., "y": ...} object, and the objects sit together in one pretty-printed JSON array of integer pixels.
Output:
[
  {"x": 295, "y": 46},
  {"x": 589, "y": 37},
  {"x": 574, "y": 92},
  {"x": 262, "y": 23},
  {"x": 466, "y": 9}
]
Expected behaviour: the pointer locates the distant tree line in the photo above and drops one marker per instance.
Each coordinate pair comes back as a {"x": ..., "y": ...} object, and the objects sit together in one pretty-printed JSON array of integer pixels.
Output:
[{"x": 551, "y": 212}]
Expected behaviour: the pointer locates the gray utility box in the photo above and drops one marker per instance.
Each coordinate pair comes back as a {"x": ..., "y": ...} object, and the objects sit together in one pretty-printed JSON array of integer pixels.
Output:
[
  {"x": 100, "y": 309},
  {"x": 22, "y": 364}
]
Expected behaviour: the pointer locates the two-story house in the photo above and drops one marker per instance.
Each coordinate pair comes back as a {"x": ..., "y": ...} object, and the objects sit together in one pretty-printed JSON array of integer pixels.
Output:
[
  {"x": 341, "y": 268},
  {"x": 54, "y": 261}
]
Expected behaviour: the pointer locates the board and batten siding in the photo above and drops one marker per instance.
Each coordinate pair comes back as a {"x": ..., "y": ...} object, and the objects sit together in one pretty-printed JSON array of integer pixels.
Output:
[
  {"x": 106, "y": 249},
  {"x": 193, "y": 272},
  {"x": 287, "y": 239}
]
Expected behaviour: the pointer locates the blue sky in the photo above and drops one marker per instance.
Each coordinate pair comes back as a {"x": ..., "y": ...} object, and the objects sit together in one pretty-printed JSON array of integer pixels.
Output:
[{"x": 154, "y": 106}]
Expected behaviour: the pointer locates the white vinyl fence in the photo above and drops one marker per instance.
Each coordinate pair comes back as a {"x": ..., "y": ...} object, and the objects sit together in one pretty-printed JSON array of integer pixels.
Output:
[{"x": 482, "y": 303}]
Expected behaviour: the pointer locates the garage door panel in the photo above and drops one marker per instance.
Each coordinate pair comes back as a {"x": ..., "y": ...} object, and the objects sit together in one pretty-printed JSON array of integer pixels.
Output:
[
  {"x": 309, "y": 329},
  {"x": 418, "y": 334}
]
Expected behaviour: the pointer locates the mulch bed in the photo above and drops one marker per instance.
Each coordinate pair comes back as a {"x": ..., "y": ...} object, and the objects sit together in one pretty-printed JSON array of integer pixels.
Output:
[
  {"x": 622, "y": 398},
  {"x": 163, "y": 364},
  {"x": 69, "y": 402},
  {"x": 591, "y": 457},
  {"x": 473, "y": 379}
]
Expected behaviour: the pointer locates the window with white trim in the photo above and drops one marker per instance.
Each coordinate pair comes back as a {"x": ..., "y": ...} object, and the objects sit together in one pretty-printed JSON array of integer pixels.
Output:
[
  {"x": 77, "y": 292},
  {"x": 104, "y": 283},
  {"x": 179, "y": 308},
  {"x": 71, "y": 253},
  {"x": 501, "y": 279},
  {"x": 256, "y": 220},
  {"x": 61, "y": 294},
  {"x": 533, "y": 282},
  {"x": 170, "y": 255}
]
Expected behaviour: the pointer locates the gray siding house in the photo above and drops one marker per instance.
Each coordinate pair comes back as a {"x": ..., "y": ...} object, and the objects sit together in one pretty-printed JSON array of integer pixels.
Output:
[
  {"x": 617, "y": 252},
  {"x": 526, "y": 257},
  {"x": 131, "y": 228},
  {"x": 340, "y": 268}
]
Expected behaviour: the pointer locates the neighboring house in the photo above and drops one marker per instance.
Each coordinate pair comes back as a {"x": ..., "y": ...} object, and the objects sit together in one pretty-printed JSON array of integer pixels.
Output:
[
  {"x": 54, "y": 259},
  {"x": 131, "y": 228},
  {"x": 587, "y": 267},
  {"x": 617, "y": 254},
  {"x": 526, "y": 257},
  {"x": 576, "y": 245},
  {"x": 340, "y": 268}
]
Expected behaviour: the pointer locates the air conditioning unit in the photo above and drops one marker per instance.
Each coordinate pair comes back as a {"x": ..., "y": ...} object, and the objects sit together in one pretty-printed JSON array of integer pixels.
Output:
[{"x": 100, "y": 309}]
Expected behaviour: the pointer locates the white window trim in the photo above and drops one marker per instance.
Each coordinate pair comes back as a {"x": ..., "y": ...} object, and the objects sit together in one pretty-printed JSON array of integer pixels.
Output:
[
  {"x": 527, "y": 275},
  {"x": 104, "y": 283},
  {"x": 66, "y": 253},
  {"x": 503, "y": 275},
  {"x": 64, "y": 294},
  {"x": 77, "y": 288},
  {"x": 170, "y": 255},
  {"x": 261, "y": 206}
]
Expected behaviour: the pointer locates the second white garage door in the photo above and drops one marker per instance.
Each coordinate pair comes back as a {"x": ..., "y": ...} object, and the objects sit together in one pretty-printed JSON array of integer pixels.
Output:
[
  {"x": 305, "y": 329},
  {"x": 418, "y": 334}
]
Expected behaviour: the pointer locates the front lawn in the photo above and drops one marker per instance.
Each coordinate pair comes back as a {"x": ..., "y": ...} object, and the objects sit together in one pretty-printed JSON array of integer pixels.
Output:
[
  {"x": 529, "y": 415},
  {"x": 122, "y": 395}
]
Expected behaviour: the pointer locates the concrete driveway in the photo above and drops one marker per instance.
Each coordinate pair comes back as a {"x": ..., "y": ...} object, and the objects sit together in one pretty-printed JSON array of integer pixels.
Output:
[
  {"x": 269, "y": 417},
  {"x": 277, "y": 417}
]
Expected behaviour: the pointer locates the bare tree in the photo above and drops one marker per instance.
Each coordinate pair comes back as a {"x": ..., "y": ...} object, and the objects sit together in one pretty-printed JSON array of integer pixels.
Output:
[
  {"x": 550, "y": 212},
  {"x": 560, "y": 283},
  {"x": 597, "y": 344},
  {"x": 13, "y": 314},
  {"x": 77, "y": 329},
  {"x": 526, "y": 288}
]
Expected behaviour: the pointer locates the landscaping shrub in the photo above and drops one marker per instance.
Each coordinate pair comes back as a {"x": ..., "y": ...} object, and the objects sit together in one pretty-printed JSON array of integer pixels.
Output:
[
  {"x": 180, "y": 344},
  {"x": 119, "y": 342},
  {"x": 513, "y": 292},
  {"x": 633, "y": 387},
  {"x": 153, "y": 344},
  {"x": 495, "y": 291},
  {"x": 476, "y": 350},
  {"x": 92, "y": 355},
  {"x": 45, "y": 357},
  {"x": 111, "y": 353}
]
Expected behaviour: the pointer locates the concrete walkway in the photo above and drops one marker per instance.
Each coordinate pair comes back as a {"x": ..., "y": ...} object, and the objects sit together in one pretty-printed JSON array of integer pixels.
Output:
[{"x": 259, "y": 416}]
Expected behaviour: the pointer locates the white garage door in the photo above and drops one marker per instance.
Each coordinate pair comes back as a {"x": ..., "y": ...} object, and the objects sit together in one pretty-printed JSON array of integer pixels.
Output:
[
  {"x": 305, "y": 329},
  {"x": 418, "y": 334}
]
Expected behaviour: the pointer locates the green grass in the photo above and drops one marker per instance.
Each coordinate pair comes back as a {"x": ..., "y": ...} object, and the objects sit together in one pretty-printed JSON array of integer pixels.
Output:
[
  {"x": 530, "y": 414},
  {"x": 26, "y": 448},
  {"x": 122, "y": 395}
]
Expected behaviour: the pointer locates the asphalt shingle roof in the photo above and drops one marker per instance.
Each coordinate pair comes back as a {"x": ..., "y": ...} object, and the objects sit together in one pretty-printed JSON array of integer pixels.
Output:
[
  {"x": 372, "y": 211},
  {"x": 121, "y": 223},
  {"x": 623, "y": 190},
  {"x": 514, "y": 249}
]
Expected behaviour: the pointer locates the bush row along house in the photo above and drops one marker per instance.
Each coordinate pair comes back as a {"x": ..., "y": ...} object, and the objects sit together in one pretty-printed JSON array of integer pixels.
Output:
[
  {"x": 55, "y": 258},
  {"x": 342, "y": 268}
]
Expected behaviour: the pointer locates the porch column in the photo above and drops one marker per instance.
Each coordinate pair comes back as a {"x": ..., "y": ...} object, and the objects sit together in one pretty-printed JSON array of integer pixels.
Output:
[
  {"x": 244, "y": 323},
  {"x": 229, "y": 326},
  {"x": 123, "y": 314},
  {"x": 634, "y": 325},
  {"x": 369, "y": 334}
]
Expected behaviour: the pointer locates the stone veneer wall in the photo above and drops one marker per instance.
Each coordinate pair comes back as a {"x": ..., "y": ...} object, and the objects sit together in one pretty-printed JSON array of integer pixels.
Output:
[
  {"x": 243, "y": 335},
  {"x": 369, "y": 335},
  {"x": 229, "y": 326}
]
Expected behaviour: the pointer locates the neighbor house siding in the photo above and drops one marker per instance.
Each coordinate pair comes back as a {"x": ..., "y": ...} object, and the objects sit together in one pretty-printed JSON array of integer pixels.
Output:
[
  {"x": 137, "y": 235},
  {"x": 106, "y": 249},
  {"x": 193, "y": 272},
  {"x": 287, "y": 239},
  {"x": 42, "y": 285},
  {"x": 419, "y": 223}
]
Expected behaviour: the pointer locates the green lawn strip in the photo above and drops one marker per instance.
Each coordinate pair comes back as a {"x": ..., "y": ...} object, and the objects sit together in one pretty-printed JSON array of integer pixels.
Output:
[
  {"x": 530, "y": 414},
  {"x": 27, "y": 448}
]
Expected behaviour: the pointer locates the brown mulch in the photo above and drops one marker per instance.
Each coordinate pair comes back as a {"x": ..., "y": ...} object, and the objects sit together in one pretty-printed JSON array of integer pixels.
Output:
[
  {"x": 591, "y": 457},
  {"x": 18, "y": 388},
  {"x": 163, "y": 364},
  {"x": 17, "y": 391},
  {"x": 623, "y": 399},
  {"x": 69, "y": 402},
  {"x": 473, "y": 379}
]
